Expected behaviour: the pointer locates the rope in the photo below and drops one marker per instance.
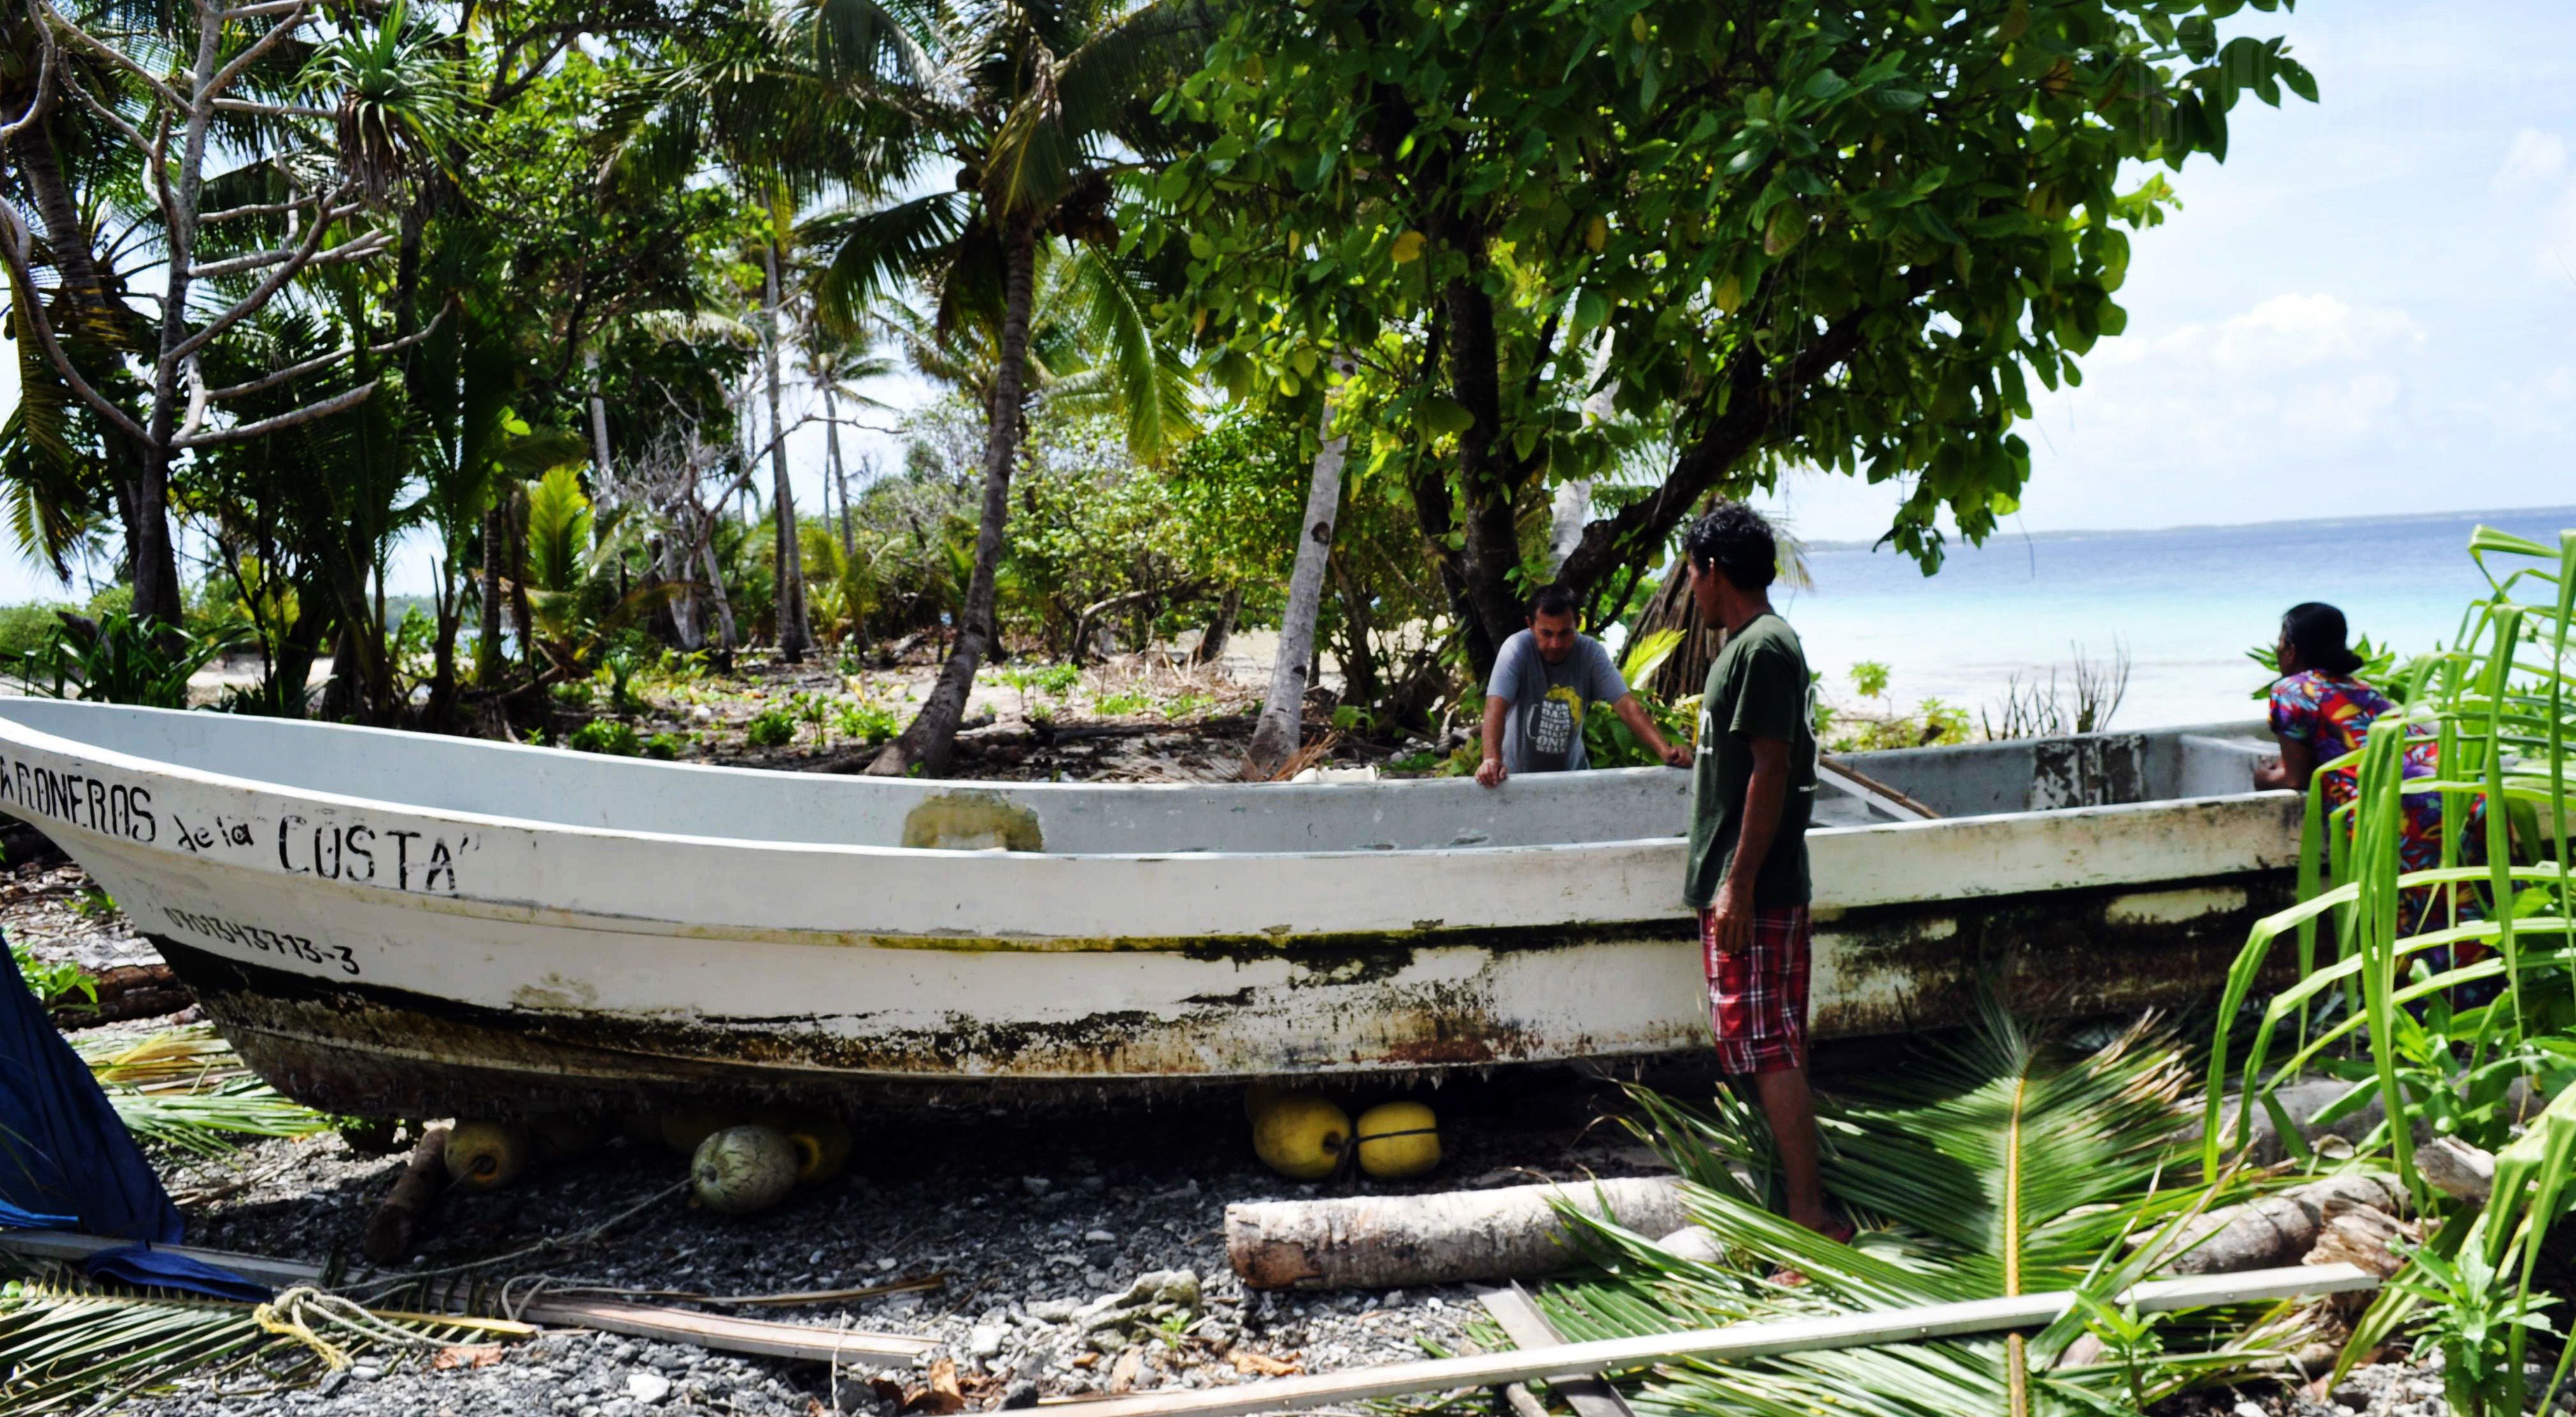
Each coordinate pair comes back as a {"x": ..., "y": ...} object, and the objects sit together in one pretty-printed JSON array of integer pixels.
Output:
[
  {"x": 552, "y": 1242},
  {"x": 301, "y": 1312}
]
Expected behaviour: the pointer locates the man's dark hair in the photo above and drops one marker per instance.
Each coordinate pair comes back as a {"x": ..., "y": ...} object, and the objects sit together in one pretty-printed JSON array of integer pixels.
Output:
[
  {"x": 1737, "y": 543},
  {"x": 1551, "y": 600}
]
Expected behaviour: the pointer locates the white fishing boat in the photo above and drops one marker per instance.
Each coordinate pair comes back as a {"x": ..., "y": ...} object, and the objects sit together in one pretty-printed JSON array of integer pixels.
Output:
[{"x": 388, "y": 923}]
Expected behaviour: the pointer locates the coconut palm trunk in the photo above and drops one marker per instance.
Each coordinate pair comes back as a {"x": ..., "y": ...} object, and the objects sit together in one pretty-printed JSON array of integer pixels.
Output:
[
  {"x": 1275, "y": 735},
  {"x": 931, "y": 737},
  {"x": 795, "y": 633}
]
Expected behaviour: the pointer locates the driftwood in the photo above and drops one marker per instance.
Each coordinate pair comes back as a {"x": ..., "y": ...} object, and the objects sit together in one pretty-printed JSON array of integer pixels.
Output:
[
  {"x": 2278, "y": 1229},
  {"x": 1733, "y": 1343},
  {"x": 1388, "y": 1242},
  {"x": 405, "y": 1209},
  {"x": 2362, "y": 1238},
  {"x": 2457, "y": 1169},
  {"x": 127, "y": 991}
]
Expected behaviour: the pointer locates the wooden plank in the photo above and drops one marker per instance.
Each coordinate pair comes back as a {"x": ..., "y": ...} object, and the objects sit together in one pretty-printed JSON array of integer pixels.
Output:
[
  {"x": 732, "y": 1334},
  {"x": 1843, "y": 777},
  {"x": 1518, "y": 1313},
  {"x": 1735, "y": 1342}
]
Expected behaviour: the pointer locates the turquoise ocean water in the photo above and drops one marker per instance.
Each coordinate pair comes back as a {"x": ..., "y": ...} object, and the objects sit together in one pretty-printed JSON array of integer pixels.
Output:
[{"x": 2187, "y": 603}]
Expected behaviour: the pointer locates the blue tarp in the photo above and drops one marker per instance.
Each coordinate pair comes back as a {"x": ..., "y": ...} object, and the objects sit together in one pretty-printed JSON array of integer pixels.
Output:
[
  {"x": 63, "y": 1150},
  {"x": 67, "y": 1162}
]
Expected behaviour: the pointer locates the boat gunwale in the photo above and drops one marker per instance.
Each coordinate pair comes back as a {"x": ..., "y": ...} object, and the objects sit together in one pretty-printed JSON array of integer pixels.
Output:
[{"x": 17, "y": 732}]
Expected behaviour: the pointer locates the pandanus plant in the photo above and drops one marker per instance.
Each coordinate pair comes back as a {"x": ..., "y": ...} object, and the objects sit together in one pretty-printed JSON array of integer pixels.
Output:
[{"x": 2386, "y": 1011}]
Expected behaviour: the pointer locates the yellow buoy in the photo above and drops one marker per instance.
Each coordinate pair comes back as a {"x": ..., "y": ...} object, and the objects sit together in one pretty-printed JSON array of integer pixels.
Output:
[
  {"x": 1302, "y": 1136},
  {"x": 1398, "y": 1139},
  {"x": 485, "y": 1156},
  {"x": 822, "y": 1143}
]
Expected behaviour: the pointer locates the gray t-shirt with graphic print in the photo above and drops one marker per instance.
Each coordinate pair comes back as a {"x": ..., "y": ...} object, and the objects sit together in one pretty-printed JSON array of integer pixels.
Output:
[{"x": 1543, "y": 731}]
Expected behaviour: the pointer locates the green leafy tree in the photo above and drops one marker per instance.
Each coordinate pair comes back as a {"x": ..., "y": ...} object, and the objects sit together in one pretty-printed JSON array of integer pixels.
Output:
[{"x": 1836, "y": 235}]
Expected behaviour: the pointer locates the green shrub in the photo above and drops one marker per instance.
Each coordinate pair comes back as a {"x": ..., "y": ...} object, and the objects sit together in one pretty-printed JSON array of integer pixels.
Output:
[
  {"x": 665, "y": 746},
  {"x": 1121, "y": 705},
  {"x": 605, "y": 735},
  {"x": 772, "y": 728},
  {"x": 24, "y": 627},
  {"x": 126, "y": 661},
  {"x": 869, "y": 723},
  {"x": 56, "y": 983},
  {"x": 572, "y": 693}
]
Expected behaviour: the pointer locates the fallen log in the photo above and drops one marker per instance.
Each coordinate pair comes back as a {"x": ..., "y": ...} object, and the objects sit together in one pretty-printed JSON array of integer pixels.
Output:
[
  {"x": 1392, "y": 1242},
  {"x": 765, "y": 1337},
  {"x": 398, "y": 1218},
  {"x": 2362, "y": 1238},
  {"x": 2278, "y": 1229},
  {"x": 2457, "y": 1169},
  {"x": 1733, "y": 1343},
  {"x": 127, "y": 991}
]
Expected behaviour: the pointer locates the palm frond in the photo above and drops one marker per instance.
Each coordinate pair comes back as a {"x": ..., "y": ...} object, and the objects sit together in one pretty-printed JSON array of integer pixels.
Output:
[
  {"x": 1155, "y": 391},
  {"x": 73, "y": 1346},
  {"x": 1999, "y": 1165},
  {"x": 188, "y": 1090},
  {"x": 869, "y": 253}
]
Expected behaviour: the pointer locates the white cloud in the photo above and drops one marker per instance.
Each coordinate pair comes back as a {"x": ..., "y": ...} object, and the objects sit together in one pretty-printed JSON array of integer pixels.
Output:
[
  {"x": 2291, "y": 331},
  {"x": 2534, "y": 158}
]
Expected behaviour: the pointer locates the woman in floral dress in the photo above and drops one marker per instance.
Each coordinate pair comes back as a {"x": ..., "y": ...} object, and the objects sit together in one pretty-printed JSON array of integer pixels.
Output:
[{"x": 2320, "y": 712}]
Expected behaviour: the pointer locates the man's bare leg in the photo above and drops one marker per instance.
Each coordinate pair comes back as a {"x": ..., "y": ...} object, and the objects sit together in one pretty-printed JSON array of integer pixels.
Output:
[{"x": 1791, "y": 1110}]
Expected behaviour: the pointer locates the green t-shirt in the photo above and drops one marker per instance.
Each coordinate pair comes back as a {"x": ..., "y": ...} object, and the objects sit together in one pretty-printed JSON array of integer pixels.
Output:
[{"x": 1758, "y": 688}]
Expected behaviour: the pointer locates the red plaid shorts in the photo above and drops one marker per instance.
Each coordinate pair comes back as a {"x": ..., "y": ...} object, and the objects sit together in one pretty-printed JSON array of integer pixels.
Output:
[{"x": 1757, "y": 996}]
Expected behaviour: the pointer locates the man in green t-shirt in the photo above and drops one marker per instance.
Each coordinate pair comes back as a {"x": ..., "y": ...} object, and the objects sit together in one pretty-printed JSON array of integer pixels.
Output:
[{"x": 1752, "y": 791}]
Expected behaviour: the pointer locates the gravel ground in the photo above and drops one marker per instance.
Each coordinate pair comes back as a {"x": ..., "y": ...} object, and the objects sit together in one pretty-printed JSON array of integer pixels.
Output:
[
  {"x": 1028, "y": 1221},
  {"x": 51, "y": 908}
]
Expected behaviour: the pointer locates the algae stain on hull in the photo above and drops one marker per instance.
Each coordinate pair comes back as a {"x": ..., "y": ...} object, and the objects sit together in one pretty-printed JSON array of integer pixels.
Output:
[{"x": 972, "y": 820}]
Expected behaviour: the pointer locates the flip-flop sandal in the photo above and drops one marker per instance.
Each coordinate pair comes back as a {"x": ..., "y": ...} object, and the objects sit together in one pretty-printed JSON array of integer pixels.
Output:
[{"x": 1788, "y": 1278}]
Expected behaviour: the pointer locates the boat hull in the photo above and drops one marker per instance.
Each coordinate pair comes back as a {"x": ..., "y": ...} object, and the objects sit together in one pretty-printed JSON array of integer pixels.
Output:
[
  {"x": 381, "y": 957},
  {"x": 1365, "y": 1008}
]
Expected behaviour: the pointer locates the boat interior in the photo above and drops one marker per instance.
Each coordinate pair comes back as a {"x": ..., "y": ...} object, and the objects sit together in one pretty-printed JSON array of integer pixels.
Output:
[{"x": 581, "y": 790}]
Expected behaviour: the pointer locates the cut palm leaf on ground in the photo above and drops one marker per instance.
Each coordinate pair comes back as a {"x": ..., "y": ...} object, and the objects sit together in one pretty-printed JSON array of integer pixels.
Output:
[
  {"x": 187, "y": 1090},
  {"x": 2002, "y": 1166}
]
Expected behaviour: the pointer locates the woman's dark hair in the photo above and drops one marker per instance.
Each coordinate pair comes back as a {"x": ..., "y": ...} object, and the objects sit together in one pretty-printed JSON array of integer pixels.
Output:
[
  {"x": 2317, "y": 632},
  {"x": 1737, "y": 543}
]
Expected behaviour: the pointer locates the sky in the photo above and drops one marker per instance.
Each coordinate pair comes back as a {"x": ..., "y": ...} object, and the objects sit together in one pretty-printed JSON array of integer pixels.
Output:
[{"x": 2369, "y": 308}]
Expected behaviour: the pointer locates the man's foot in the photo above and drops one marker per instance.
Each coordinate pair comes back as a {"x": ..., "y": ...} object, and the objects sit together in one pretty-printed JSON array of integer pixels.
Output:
[{"x": 1837, "y": 1231}]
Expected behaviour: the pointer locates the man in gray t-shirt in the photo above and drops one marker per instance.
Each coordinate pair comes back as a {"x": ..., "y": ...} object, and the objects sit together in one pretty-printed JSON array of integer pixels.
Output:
[{"x": 1545, "y": 679}]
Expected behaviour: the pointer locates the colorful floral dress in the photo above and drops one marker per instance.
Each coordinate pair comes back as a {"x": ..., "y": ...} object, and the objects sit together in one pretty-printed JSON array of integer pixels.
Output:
[{"x": 2331, "y": 714}]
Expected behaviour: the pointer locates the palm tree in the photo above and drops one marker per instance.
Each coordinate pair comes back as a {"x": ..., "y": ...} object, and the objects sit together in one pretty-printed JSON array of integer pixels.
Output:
[
  {"x": 1040, "y": 105},
  {"x": 796, "y": 101}
]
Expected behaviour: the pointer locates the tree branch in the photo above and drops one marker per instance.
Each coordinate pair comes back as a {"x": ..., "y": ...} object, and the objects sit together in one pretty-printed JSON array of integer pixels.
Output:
[
  {"x": 293, "y": 372},
  {"x": 17, "y": 240},
  {"x": 275, "y": 282},
  {"x": 280, "y": 423},
  {"x": 44, "y": 93},
  {"x": 224, "y": 76},
  {"x": 105, "y": 114},
  {"x": 108, "y": 52},
  {"x": 370, "y": 244},
  {"x": 263, "y": 209},
  {"x": 272, "y": 110},
  {"x": 1755, "y": 398}
]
